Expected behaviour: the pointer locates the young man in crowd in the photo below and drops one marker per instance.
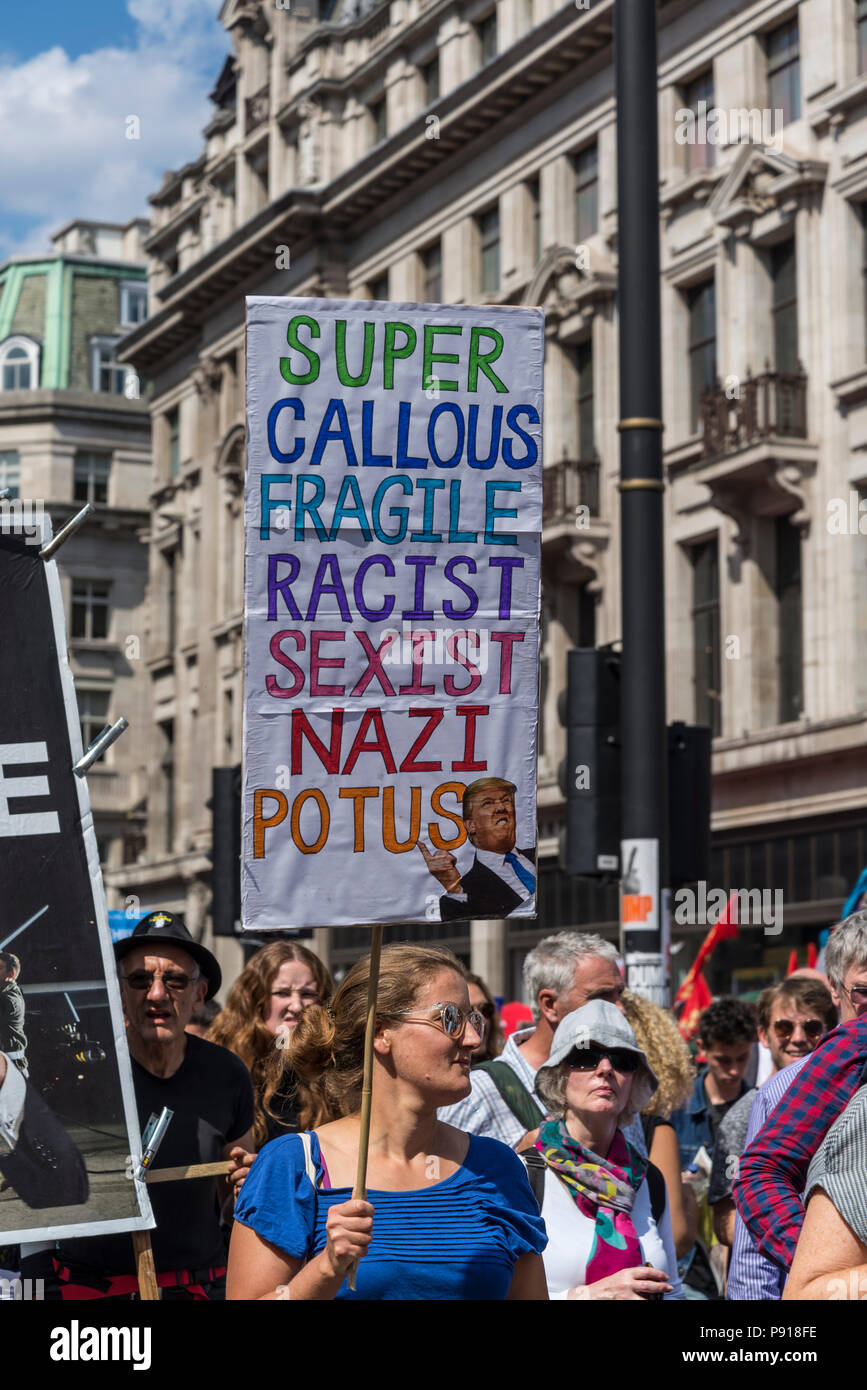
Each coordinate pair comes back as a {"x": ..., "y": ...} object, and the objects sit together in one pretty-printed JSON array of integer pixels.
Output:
[
  {"x": 164, "y": 976},
  {"x": 794, "y": 1016},
  {"x": 790, "y": 1118},
  {"x": 726, "y": 1033}
]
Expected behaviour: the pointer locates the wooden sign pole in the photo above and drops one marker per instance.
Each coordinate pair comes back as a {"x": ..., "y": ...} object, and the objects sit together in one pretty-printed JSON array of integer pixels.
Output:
[
  {"x": 141, "y": 1240},
  {"x": 359, "y": 1192}
]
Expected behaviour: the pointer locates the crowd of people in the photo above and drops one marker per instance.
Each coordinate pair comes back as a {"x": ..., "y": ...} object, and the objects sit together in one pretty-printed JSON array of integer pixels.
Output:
[{"x": 588, "y": 1155}]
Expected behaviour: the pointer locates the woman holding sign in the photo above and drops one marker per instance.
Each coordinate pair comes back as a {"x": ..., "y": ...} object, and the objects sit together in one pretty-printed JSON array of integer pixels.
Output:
[{"x": 450, "y": 1216}]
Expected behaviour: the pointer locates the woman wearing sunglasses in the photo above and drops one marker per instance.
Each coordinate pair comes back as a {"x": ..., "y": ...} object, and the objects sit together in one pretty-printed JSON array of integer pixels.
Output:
[
  {"x": 604, "y": 1206},
  {"x": 449, "y": 1215}
]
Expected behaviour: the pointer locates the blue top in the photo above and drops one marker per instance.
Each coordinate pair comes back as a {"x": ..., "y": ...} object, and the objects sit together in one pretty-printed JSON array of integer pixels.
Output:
[{"x": 458, "y": 1239}]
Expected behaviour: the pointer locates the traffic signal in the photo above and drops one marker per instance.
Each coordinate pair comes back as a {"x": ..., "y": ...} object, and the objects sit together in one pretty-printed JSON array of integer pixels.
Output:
[
  {"x": 225, "y": 853},
  {"x": 589, "y": 775},
  {"x": 689, "y": 779}
]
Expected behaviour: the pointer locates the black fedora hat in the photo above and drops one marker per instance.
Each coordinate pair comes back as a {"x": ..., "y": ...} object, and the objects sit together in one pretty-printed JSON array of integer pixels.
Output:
[{"x": 163, "y": 927}]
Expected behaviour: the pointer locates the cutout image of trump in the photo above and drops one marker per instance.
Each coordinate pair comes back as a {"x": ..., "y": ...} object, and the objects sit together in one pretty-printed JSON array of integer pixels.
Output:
[{"x": 501, "y": 878}]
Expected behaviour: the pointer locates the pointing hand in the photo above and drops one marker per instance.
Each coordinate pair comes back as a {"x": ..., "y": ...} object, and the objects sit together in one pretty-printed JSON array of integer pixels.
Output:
[{"x": 443, "y": 867}]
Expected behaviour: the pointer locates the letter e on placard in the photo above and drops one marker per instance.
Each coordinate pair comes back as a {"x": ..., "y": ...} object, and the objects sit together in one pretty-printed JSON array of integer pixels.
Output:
[{"x": 27, "y": 822}]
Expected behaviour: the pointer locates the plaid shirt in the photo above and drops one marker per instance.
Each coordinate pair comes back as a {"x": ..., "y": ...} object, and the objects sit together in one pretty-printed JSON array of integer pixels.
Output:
[{"x": 773, "y": 1171}]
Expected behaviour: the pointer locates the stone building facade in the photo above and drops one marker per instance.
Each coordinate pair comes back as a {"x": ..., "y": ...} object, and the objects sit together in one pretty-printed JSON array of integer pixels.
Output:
[
  {"x": 75, "y": 428},
  {"x": 464, "y": 151}
]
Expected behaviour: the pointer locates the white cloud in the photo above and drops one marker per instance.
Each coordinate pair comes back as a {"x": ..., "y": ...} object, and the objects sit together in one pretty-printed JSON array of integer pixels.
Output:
[{"x": 65, "y": 153}]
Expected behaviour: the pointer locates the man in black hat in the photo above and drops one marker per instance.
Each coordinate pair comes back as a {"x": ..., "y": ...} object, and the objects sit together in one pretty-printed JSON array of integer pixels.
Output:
[{"x": 164, "y": 976}]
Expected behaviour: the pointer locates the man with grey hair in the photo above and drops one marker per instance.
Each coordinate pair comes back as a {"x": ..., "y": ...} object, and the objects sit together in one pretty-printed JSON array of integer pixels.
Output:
[
  {"x": 563, "y": 972},
  {"x": 773, "y": 1171}
]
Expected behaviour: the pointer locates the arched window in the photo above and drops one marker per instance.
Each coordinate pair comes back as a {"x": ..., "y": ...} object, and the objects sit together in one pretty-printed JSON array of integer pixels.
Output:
[{"x": 19, "y": 364}]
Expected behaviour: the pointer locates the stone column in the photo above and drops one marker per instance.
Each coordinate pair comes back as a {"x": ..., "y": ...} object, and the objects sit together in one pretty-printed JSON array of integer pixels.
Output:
[{"x": 488, "y": 954}]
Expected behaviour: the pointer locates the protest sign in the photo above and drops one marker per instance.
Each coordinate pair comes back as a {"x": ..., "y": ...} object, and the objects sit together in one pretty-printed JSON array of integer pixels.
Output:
[
  {"x": 393, "y": 517},
  {"x": 68, "y": 1122}
]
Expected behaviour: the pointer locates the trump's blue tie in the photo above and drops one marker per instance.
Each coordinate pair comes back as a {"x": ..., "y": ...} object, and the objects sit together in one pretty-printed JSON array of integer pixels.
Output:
[{"x": 528, "y": 879}]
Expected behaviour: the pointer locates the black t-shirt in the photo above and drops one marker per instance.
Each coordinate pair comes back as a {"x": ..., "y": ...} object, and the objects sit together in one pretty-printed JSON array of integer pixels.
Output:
[{"x": 212, "y": 1097}]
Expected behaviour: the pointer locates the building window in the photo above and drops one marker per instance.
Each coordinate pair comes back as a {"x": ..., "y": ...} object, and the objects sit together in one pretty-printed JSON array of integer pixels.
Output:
[
  {"x": 89, "y": 610},
  {"x": 167, "y": 768},
  {"x": 90, "y": 477},
  {"x": 19, "y": 364},
  {"x": 706, "y": 633},
  {"x": 586, "y": 423},
  {"x": 106, "y": 372},
  {"x": 379, "y": 287},
  {"x": 788, "y": 588},
  {"x": 432, "y": 269},
  {"x": 700, "y": 154},
  {"x": 861, "y": 26},
  {"x": 430, "y": 74},
  {"x": 379, "y": 117},
  {"x": 171, "y": 591},
  {"x": 536, "y": 213},
  {"x": 486, "y": 30},
  {"x": 489, "y": 238},
  {"x": 133, "y": 302},
  {"x": 785, "y": 306},
  {"x": 701, "y": 304},
  {"x": 586, "y": 166},
  {"x": 174, "y": 419},
  {"x": 862, "y": 214},
  {"x": 92, "y": 714},
  {"x": 10, "y": 472},
  {"x": 784, "y": 71}
]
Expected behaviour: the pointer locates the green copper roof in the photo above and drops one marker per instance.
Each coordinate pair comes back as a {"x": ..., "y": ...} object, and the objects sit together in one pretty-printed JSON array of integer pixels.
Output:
[{"x": 62, "y": 303}]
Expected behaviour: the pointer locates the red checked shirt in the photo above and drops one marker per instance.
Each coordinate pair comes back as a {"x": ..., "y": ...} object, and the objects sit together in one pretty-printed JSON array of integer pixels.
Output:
[{"x": 773, "y": 1171}]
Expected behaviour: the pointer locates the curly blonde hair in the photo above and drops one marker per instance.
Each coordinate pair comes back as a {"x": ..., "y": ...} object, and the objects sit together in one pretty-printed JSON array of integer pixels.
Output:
[
  {"x": 241, "y": 1025},
  {"x": 668, "y": 1055}
]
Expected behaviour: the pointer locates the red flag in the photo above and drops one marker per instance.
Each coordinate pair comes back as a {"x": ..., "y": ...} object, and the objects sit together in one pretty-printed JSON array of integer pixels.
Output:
[
  {"x": 695, "y": 1000},
  {"x": 694, "y": 994},
  {"x": 793, "y": 963},
  {"x": 812, "y": 955}
]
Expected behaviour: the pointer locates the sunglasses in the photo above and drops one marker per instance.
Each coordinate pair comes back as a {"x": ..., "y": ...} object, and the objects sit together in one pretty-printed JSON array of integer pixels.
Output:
[
  {"x": 588, "y": 1058},
  {"x": 784, "y": 1028},
  {"x": 857, "y": 994},
  {"x": 453, "y": 1020},
  {"x": 175, "y": 981}
]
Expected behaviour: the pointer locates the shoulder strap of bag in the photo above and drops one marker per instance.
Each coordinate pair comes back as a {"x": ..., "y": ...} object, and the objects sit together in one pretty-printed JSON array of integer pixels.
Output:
[
  {"x": 656, "y": 1190},
  {"x": 309, "y": 1165},
  {"x": 514, "y": 1093},
  {"x": 535, "y": 1166}
]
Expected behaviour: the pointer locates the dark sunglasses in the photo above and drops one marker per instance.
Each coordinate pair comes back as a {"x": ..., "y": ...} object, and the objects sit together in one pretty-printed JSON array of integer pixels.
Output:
[
  {"x": 784, "y": 1028},
  {"x": 588, "y": 1058}
]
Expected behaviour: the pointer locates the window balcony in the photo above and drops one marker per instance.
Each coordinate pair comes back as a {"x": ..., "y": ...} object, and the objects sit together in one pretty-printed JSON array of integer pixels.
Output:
[
  {"x": 772, "y": 405},
  {"x": 755, "y": 455},
  {"x": 567, "y": 486}
]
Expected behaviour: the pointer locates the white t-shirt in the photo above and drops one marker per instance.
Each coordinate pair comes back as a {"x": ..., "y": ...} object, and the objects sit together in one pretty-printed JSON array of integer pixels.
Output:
[{"x": 570, "y": 1236}]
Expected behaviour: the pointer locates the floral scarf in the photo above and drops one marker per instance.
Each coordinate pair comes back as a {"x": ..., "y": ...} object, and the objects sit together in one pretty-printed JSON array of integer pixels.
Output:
[{"x": 604, "y": 1190}]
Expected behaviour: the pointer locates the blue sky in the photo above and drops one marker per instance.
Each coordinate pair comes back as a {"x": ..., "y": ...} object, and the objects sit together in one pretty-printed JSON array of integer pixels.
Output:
[
  {"x": 77, "y": 28},
  {"x": 70, "y": 75}
]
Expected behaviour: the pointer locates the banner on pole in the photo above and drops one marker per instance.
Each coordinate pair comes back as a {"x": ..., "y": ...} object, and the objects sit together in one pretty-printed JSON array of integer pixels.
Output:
[
  {"x": 393, "y": 517},
  {"x": 68, "y": 1121}
]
